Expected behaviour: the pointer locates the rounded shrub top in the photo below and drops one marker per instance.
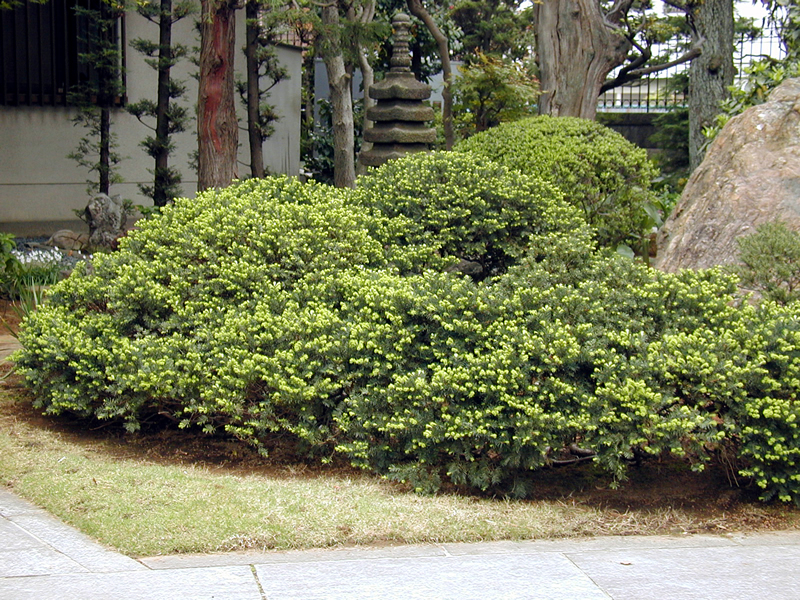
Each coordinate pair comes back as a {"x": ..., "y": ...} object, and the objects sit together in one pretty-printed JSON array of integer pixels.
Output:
[
  {"x": 449, "y": 207},
  {"x": 598, "y": 170}
]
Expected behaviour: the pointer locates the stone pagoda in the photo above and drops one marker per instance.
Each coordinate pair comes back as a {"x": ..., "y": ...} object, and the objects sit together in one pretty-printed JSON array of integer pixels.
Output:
[{"x": 400, "y": 116}]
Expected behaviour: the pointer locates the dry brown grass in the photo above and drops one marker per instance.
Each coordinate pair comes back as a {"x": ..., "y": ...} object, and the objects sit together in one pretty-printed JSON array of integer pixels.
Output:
[{"x": 167, "y": 491}]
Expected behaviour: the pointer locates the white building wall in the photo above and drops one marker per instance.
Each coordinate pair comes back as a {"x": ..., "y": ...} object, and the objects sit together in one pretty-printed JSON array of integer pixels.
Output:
[{"x": 40, "y": 187}]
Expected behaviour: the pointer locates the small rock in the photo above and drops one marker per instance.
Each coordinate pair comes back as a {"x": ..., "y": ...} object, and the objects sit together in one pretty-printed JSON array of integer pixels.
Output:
[{"x": 66, "y": 239}]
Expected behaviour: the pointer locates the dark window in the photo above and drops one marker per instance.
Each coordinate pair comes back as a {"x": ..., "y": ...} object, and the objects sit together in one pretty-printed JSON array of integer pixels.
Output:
[{"x": 41, "y": 47}]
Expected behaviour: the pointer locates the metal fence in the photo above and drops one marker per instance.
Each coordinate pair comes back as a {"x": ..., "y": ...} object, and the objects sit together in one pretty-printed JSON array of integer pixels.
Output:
[{"x": 657, "y": 93}]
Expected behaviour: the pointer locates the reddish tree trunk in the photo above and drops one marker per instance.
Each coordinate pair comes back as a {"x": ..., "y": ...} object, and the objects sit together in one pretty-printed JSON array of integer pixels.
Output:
[{"x": 217, "y": 127}]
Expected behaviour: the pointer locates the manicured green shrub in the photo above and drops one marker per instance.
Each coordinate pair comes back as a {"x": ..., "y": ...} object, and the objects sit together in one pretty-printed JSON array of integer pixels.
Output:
[
  {"x": 598, "y": 170},
  {"x": 214, "y": 312},
  {"x": 498, "y": 380},
  {"x": 446, "y": 207},
  {"x": 275, "y": 306}
]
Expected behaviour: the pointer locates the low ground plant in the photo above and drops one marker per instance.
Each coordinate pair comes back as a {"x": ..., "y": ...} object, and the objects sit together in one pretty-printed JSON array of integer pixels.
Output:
[
  {"x": 769, "y": 262},
  {"x": 334, "y": 319}
]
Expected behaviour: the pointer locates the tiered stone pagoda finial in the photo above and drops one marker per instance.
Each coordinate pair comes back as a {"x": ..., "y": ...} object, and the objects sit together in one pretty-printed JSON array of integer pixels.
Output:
[{"x": 400, "y": 115}]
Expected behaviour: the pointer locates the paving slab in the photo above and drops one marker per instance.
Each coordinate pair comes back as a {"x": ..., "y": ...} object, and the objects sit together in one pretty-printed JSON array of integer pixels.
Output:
[
  {"x": 772, "y": 538},
  {"x": 11, "y": 504},
  {"x": 56, "y": 544},
  {"x": 183, "y": 561},
  {"x": 77, "y": 546},
  {"x": 501, "y": 577},
  {"x": 720, "y": 573},
  {"x": 218, "y": 583},
  {"x": 8, "y": 345},
  {"x": 29, "y": 562},
  {"x": 588, "y": 544}
]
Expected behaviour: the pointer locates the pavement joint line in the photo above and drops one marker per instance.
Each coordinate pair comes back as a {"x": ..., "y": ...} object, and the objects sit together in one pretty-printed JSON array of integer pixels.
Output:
[
  {"x": 595, "y": 583},
  {"x": 258, "y": 582},
  {"x": 48, "y": 545}
]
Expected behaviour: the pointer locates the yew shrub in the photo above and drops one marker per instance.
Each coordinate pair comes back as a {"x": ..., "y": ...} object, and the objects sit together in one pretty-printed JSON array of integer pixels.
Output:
[
  {"x": 332, "y": 317},
  {"x": 600, "y": 172}
]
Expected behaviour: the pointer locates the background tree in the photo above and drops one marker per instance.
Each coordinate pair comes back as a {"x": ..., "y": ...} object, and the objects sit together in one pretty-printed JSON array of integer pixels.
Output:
[
  {"x": 417, "y": 8},
  {"x": 711, "y": 73},
  {"x": 169, "y": 117},
  {"x": 496, "y": 81},
  {"x": 217, "y": 125},
  {"x": 766, "y": 74},
  {"x": 330, "y": 47},
  {"x": 99, "y": 94},
  {"x": 579, "y": 42},
  {"x": 489, "y": 91},
  {"x": 262, "y": 64}
]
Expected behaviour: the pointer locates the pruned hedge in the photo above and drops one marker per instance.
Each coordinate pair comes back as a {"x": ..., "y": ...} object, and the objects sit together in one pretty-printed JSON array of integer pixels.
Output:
[
  {"x": 600, "y": 172},
  {"x": 332, "y": 315}
]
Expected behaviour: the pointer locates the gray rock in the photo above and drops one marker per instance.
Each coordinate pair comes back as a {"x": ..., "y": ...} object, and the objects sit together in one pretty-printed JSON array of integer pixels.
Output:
[
  {"x": 107, "y": 218},
  {"x": 400, "y": 133},
  {"x": 750, "y": 175},
  {"x": 66, "y": 239}
]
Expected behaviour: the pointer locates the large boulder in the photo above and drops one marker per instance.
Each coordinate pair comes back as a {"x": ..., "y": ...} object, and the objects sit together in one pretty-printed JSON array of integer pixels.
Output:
[{"x": 750, "y": 175}]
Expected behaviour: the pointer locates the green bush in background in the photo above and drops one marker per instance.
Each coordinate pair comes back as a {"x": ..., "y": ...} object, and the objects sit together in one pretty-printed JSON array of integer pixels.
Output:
[
  {"x": 770, "y": 262},
  {"x": 332, "y": 317},
  {"x": 600, "y": 172},
  {"x": 450, "y": 207}
]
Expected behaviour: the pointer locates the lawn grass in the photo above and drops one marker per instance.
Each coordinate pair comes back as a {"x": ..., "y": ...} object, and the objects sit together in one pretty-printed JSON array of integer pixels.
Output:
[{"x": 115, "y": 492}]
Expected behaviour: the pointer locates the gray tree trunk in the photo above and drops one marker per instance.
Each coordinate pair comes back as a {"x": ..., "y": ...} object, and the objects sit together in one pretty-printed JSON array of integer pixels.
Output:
[
  {"x": 418, "y": 10},
  {"x": 364, "y": 15},
  {"x": 254, "y": 135},
  {"x": 711, "y": 73},
  {"x": 344, "y": 168},
  {"x": 577, "y": 46}
]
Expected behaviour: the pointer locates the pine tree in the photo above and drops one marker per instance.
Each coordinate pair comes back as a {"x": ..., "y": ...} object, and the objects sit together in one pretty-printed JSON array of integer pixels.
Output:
[
  {"x": 96, "y": 96},
  {"x": 169, "y": 117}
]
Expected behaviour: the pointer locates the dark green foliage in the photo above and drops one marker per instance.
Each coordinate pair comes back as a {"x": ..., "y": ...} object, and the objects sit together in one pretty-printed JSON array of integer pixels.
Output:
[
  {"x": 318, "y": 147},
  {"x": 10, "y": 267},
  {"x": 672, "y": 138},
  {"x": 771, "y": 262},
  {"x": 598, "y": 170},
  {"x": 276, "y": 306}
]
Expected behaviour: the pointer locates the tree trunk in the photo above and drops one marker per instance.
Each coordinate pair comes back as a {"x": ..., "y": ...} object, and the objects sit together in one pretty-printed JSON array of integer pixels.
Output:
[
  {"x": 217, "y": 127},
  {"x": 344, "y": 168},
  {"x": 418, "y": 10},
  {"x": 104, "y": 161},
  {"x": 577, "y": 47},
  {"x": 254, "y": 134},
  {"x": 711, "y": 73},
  {"x": 365, "y": 15},
  {"x": 161, "y": 181}
]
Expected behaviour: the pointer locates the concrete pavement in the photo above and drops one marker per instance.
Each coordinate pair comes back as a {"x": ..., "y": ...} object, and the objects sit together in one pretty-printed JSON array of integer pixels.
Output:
[{"x": 43, "y": 559}]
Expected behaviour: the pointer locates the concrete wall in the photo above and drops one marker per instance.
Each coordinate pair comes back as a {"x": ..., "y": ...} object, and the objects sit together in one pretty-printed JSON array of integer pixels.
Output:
[{"x": 40, "y": 186}]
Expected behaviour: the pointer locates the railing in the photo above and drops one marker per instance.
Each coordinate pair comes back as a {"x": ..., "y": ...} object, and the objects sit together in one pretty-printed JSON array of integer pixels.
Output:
[{"x": 655, "y": 93}]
